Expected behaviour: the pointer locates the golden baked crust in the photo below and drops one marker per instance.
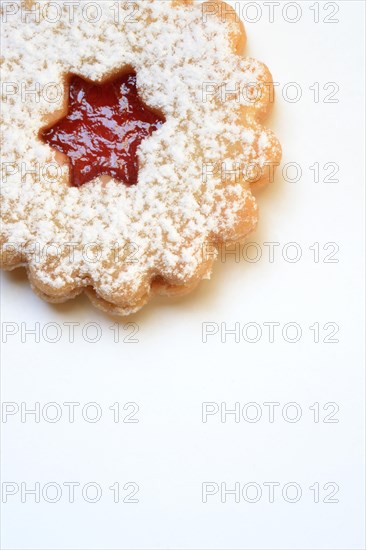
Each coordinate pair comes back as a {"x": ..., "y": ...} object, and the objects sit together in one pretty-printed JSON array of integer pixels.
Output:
[{"x": 122, "y": 245}]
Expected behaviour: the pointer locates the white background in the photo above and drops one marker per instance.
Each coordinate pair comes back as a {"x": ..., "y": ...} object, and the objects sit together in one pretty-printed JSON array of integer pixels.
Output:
[{"x": 170, "y": 372}]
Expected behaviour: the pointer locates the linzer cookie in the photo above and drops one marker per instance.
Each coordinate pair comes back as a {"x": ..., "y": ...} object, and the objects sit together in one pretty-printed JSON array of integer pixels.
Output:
[{"x": 131, "y": 139}]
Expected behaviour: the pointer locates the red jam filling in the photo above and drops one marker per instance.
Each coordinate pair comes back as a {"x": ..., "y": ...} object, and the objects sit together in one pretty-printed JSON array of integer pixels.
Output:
[{"x": 104, "y": 126}]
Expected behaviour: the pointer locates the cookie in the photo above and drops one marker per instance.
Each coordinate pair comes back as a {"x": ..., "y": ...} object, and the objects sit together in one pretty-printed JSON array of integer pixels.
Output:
[{"x": 128, "y": 146}]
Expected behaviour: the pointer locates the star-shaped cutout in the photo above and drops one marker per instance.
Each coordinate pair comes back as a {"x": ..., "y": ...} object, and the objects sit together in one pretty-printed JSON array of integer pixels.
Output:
[{"x": 103, "y": 128}]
